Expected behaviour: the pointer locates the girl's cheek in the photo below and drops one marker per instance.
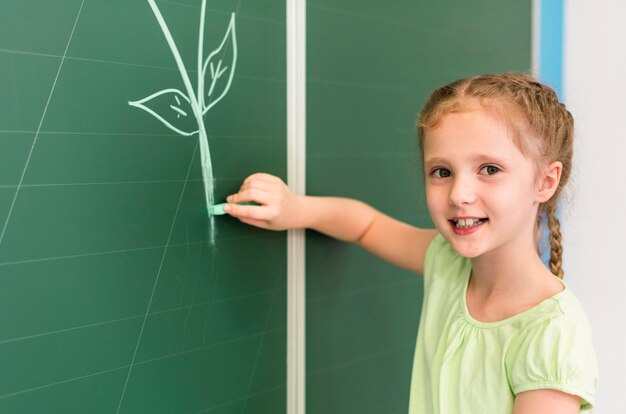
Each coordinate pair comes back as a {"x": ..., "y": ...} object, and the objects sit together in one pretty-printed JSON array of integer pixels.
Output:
[
  {"x": 434, "y": 197},
  {"x": 433, "y": 207}
]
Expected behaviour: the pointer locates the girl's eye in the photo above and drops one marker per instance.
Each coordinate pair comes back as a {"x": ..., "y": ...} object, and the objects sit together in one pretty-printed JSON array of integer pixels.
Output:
[
  {"x": 440, "y": 173},
  {"x": 489, "y": 170}
]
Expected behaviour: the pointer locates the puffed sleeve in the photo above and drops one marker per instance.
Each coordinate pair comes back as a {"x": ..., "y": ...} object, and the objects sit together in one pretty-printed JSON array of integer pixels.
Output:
[{"x": 557, "y": 353}]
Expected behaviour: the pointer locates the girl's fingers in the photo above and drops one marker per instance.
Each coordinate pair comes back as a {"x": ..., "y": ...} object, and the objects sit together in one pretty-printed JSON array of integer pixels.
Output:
[
  {"x": 262, "y": 181},
  {"x": 268, "y": 191},
  {"x": 256, "y": 223},
  {"x": 258, "y": 185},
  {"x": 248, "y": 212},
  {"x": 257, "y": 195},
  {"x": 258, "y": 190},
  {"x": 262, "y": 177}
]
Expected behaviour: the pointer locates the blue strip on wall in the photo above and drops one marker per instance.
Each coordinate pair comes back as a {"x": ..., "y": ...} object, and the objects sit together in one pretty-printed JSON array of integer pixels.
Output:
[
  {"x": 551, "y": 64},
  {"x": 551, "y": 44}
]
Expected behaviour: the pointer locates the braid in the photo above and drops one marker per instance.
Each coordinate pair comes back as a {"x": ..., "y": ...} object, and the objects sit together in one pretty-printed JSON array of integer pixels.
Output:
[{"x": 556, "y": 250}]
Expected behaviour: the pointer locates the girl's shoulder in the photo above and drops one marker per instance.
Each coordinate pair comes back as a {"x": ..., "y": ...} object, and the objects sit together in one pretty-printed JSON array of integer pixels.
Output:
[
  {"x": 561, "y": 314},
  {"x": 556, "y": 351}
]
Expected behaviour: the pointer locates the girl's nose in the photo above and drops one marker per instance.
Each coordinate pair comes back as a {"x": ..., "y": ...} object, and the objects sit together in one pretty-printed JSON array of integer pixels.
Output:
[{"x": 462, "y": 192}]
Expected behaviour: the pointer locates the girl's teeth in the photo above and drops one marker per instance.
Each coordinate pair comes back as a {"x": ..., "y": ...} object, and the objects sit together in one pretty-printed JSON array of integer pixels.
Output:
[{"x": 467, "y": 223}]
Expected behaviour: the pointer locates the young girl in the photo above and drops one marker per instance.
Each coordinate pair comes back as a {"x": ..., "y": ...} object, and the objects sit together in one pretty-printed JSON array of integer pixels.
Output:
[{"x": 499, "y": 332}]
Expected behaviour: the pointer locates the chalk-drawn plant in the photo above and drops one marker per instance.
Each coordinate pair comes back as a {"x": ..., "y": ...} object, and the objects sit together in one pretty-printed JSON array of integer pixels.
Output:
[{"x": 215, "y": 75}]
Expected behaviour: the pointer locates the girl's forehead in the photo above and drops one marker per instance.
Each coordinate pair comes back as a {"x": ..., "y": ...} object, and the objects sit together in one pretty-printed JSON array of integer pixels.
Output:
[
  {"x": 472, "y": 136},
  {"x": 469, "y": 129}
]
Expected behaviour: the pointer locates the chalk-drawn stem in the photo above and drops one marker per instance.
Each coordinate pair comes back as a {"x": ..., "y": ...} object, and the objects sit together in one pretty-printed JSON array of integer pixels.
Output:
[
  {"x": 201, "y": 55},
  {"x": 195, "y": 100},
  {"x": 205, "y": 156}
]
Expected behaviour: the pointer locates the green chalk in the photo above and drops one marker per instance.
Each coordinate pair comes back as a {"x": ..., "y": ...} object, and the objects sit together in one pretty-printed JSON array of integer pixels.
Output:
[{"x": 218, "y": 209}]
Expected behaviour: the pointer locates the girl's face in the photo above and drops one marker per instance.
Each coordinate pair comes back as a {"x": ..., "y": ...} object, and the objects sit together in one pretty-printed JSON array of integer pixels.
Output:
[{"x": 480, "y": 188}]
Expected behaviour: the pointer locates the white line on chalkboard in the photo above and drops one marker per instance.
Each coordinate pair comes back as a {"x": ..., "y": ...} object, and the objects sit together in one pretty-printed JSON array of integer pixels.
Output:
[
  {"x": 236, "y": 239},
  {"x": 156, "y": 280},
  {"x": 129, "y": 134},
  {"x": 43, "y": 116},
  {"x": 147, "y": 361},
  {"x": 261, "y": 343},
  {"x": 141, "y": 316}
]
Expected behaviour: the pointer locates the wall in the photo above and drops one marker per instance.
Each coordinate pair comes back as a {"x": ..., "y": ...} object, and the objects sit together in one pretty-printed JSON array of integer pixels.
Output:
[{"x": 595, "y": 64}]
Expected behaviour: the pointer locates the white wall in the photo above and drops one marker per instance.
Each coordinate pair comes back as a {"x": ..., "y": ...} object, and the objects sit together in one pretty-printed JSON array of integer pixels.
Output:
[{"x": 594, "y": 221}]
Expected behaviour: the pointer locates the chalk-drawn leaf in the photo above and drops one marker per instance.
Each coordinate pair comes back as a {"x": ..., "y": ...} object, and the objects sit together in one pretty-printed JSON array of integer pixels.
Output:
[
  {"x": 219, "y": 68},
  {"x": 172, "y": 108}
]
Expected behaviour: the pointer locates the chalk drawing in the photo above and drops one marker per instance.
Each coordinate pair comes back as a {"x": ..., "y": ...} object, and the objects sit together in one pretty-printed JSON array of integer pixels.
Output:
[{"x": 213, "y": 71}]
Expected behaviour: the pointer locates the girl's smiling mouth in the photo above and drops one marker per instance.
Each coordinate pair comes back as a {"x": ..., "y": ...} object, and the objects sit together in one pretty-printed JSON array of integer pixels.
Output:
[{"x": 467, "y": 225}]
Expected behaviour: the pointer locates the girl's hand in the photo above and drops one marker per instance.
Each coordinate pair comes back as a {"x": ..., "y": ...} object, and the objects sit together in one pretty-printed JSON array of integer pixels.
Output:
[{"x": 278, "y": 207}]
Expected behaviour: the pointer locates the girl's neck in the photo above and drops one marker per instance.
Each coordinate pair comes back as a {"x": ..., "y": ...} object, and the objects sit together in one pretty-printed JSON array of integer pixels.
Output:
[
  {"x": 507, "y": 282},
  {"x": 513, "y": 270}
]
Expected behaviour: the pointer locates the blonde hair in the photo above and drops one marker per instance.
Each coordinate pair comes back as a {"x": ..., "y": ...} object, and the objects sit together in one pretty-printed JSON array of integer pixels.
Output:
[{"x": 541, "y": 127}]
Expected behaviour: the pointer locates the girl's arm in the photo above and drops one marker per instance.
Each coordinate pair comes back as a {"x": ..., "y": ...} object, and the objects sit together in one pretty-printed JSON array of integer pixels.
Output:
[
  {"x": 546, "y": 402},
  {"x": 341, "y": 218}
]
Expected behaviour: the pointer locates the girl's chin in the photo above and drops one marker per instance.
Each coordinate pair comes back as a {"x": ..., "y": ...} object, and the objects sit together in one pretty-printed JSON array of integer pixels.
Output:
[
  {"x": 464, "y": 248},
  {"x": 469, "y": 254}
]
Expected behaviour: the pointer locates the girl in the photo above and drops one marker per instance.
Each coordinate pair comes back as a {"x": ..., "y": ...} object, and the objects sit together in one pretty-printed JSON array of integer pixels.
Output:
[{"x": 499, "y": 332}]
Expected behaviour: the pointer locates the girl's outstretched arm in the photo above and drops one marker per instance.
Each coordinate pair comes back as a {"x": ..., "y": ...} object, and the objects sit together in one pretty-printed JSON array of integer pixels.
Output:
[
  {"x": 546, "y": 401},
  {"x": 345, "y": 219}
]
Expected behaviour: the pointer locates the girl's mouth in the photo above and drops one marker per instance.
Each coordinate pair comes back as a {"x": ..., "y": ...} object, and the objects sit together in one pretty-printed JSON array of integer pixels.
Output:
[{"x": 464, "y": 226}]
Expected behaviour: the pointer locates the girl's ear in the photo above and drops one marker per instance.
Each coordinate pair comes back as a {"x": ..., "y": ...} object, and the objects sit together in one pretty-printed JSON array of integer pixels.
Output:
[{"x": 549, "y": 181}]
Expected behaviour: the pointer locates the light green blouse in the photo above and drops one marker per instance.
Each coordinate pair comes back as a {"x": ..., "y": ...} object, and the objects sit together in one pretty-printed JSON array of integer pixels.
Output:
[{"x": 464, "y": 366}]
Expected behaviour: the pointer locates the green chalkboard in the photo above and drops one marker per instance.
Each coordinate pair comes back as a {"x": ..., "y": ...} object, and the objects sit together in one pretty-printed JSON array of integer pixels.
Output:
[
  {"x": 370, "y": 66},
  {"x": 117, "y": 292}
]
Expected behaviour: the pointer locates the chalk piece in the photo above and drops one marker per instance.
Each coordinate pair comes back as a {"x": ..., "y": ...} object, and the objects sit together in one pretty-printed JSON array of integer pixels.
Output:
[{"x": 218, "y": 209}]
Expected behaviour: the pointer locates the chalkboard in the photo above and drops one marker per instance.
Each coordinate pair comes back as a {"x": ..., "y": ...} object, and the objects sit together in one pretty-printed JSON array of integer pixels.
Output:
[
  {"x": 370, "y": 66},
  {"x": 117, "y": 293}
]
